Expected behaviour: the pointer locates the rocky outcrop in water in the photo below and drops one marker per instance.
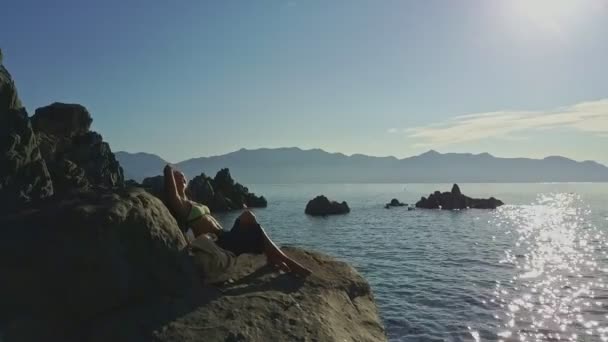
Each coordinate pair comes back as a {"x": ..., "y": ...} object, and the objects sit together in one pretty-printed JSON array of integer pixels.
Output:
[
  {"x": 456, "y": 200},
  {"x": 394, "y": 203},
  {"x": 220, "y": 194},
  {"x": 322, "y": 206}
]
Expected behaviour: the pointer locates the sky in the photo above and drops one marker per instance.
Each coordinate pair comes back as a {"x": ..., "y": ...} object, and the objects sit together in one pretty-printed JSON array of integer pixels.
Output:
[{"x": 189, "y": 78}]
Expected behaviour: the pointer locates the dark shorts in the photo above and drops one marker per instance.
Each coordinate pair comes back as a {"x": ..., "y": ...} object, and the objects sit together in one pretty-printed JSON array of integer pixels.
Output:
[{"x": 212, "y": 258}]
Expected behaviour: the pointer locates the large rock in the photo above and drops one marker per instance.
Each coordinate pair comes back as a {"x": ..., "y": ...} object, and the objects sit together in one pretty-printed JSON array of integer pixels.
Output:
[
  {"x": 77, "y": 259},
  {"x": 62, "y": 120},
  {"x": 456, "y": 200},
  {"x": 335, "y": 303},
  {"x": 24, "y": 177},
  {"x": 322, "y": 206},
  {"x": 63, "y": 131},
  {"x": 113, "y": 267}
]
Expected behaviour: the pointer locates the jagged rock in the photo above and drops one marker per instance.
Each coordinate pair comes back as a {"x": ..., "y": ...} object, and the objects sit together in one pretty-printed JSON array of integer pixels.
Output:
[
  {"x": 222, "y": 193},
  {"x": 67, "y": 176},
  {"x": 321, "y": 206},
  {"x": 24, "y": 177},
  {"x": 456, "y": 190},
  {"x": 63, "y": 131},
  {"x": 200, "y": 188},
  {"x": 94, "y": 155},
  {"x": 456, "y": 200}
]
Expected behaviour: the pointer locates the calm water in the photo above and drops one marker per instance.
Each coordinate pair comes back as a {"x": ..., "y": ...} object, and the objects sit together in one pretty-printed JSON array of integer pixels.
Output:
[{"x": 533, "y": 270}]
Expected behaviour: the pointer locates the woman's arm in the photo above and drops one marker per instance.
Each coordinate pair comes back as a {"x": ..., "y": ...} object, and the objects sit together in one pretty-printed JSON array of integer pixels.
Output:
[{"x": 173, "y": 197}]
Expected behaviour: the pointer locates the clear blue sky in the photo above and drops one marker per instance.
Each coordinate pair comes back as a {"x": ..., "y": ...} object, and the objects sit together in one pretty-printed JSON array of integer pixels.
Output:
[{"x": 192, "y": 78}]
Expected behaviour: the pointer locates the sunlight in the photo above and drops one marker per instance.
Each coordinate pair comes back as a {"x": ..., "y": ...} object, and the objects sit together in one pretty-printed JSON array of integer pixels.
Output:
[{"x": 549, "y": 16}]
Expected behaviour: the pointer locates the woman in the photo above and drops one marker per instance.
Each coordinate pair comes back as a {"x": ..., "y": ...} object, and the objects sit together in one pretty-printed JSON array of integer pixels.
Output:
[{"x": 218, "y": 248}]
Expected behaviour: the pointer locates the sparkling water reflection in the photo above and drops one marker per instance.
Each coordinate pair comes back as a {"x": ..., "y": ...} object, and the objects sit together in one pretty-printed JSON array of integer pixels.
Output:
[
  {"x": 559, "y": 290},
  {"x": 534, "y": 270}
]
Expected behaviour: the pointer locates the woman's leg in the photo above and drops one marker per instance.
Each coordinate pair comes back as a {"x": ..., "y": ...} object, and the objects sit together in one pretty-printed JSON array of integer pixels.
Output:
[{"x": 273, "y": 253}]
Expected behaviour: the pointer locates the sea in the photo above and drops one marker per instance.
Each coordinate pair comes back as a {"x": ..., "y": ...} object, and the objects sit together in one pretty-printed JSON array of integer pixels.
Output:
[{"x": 535, "y": 269}]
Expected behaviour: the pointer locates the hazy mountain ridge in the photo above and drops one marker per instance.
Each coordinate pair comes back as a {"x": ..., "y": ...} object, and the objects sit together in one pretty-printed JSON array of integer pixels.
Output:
[
  {"x": 294, "y": 165},
  {"x": 138, "y": 166}
]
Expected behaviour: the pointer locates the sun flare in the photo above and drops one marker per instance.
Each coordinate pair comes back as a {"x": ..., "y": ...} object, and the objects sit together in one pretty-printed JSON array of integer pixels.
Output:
[{"x": 553, "y": 16}]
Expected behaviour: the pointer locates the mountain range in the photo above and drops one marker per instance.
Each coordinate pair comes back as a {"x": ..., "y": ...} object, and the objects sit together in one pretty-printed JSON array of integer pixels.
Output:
[{"x": 294, "y": 165}]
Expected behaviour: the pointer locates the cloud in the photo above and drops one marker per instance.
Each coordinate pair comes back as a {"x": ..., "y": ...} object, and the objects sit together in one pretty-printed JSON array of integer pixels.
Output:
[
  {"x": 589, "y": 117},
  {"x": 392, "y": 130}
]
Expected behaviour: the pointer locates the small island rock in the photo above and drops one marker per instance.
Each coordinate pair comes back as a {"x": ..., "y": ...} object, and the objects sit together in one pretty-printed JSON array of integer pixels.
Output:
[
  {"x": 456, "y": 200},
  {"x": 395, "y": 203},
  {"x": 321, "y": 206}
]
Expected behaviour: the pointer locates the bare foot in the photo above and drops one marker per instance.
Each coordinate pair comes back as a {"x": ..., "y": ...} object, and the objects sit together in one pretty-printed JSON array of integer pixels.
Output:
[{"x": 284, "y": 263}]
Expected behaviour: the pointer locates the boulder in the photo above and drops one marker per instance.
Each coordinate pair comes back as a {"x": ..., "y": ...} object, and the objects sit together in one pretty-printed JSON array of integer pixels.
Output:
[
  {"x": 62, "y": 120},
  {"x": 114, "y": 266},
  {"x": 24, "y": 177},
  {"x": 335, "y": 303},
  {"x": 77, "y": 259},
  {"x": 322, "y": 206},
  {"x": 456, "y": 200}
]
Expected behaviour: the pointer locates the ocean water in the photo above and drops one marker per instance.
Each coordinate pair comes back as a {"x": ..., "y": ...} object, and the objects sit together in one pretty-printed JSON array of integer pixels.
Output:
[{"x": 535, "y": 269}]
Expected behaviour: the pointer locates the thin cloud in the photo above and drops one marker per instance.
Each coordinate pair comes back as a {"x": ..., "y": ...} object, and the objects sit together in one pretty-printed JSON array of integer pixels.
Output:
[
  {"x": 392, "y": 130},
  {"x": 589, "y": 117}
]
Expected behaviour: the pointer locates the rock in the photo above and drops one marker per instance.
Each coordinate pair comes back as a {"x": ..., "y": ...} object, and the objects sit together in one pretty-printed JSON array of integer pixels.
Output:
[
  {"x": 321, "y": 206},
  {"x": 155, "y": 185},
  {"x": 80, "y": 258},
  {"x": 335, "y": 303},
  {"x": 456, "y": 200},
  {"x": 24, "y": 177},
  {"x": 63, "y": 131},
  {"x": 222, "y": 193},
  {"x": 67, "y": 176},
  {"x": 395, "y": 203},
  {"x": 62, "y": 120},
  {"x": 200, "y": 188},
  {"x": 115, "y": 264},
  {"x": 94, "y": 155}
]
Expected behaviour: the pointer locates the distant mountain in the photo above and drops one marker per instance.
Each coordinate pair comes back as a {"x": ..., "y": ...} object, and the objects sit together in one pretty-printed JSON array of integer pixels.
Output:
[
  {"x": 293, "y": 165},
  {"x": 137, "y": 166}
]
